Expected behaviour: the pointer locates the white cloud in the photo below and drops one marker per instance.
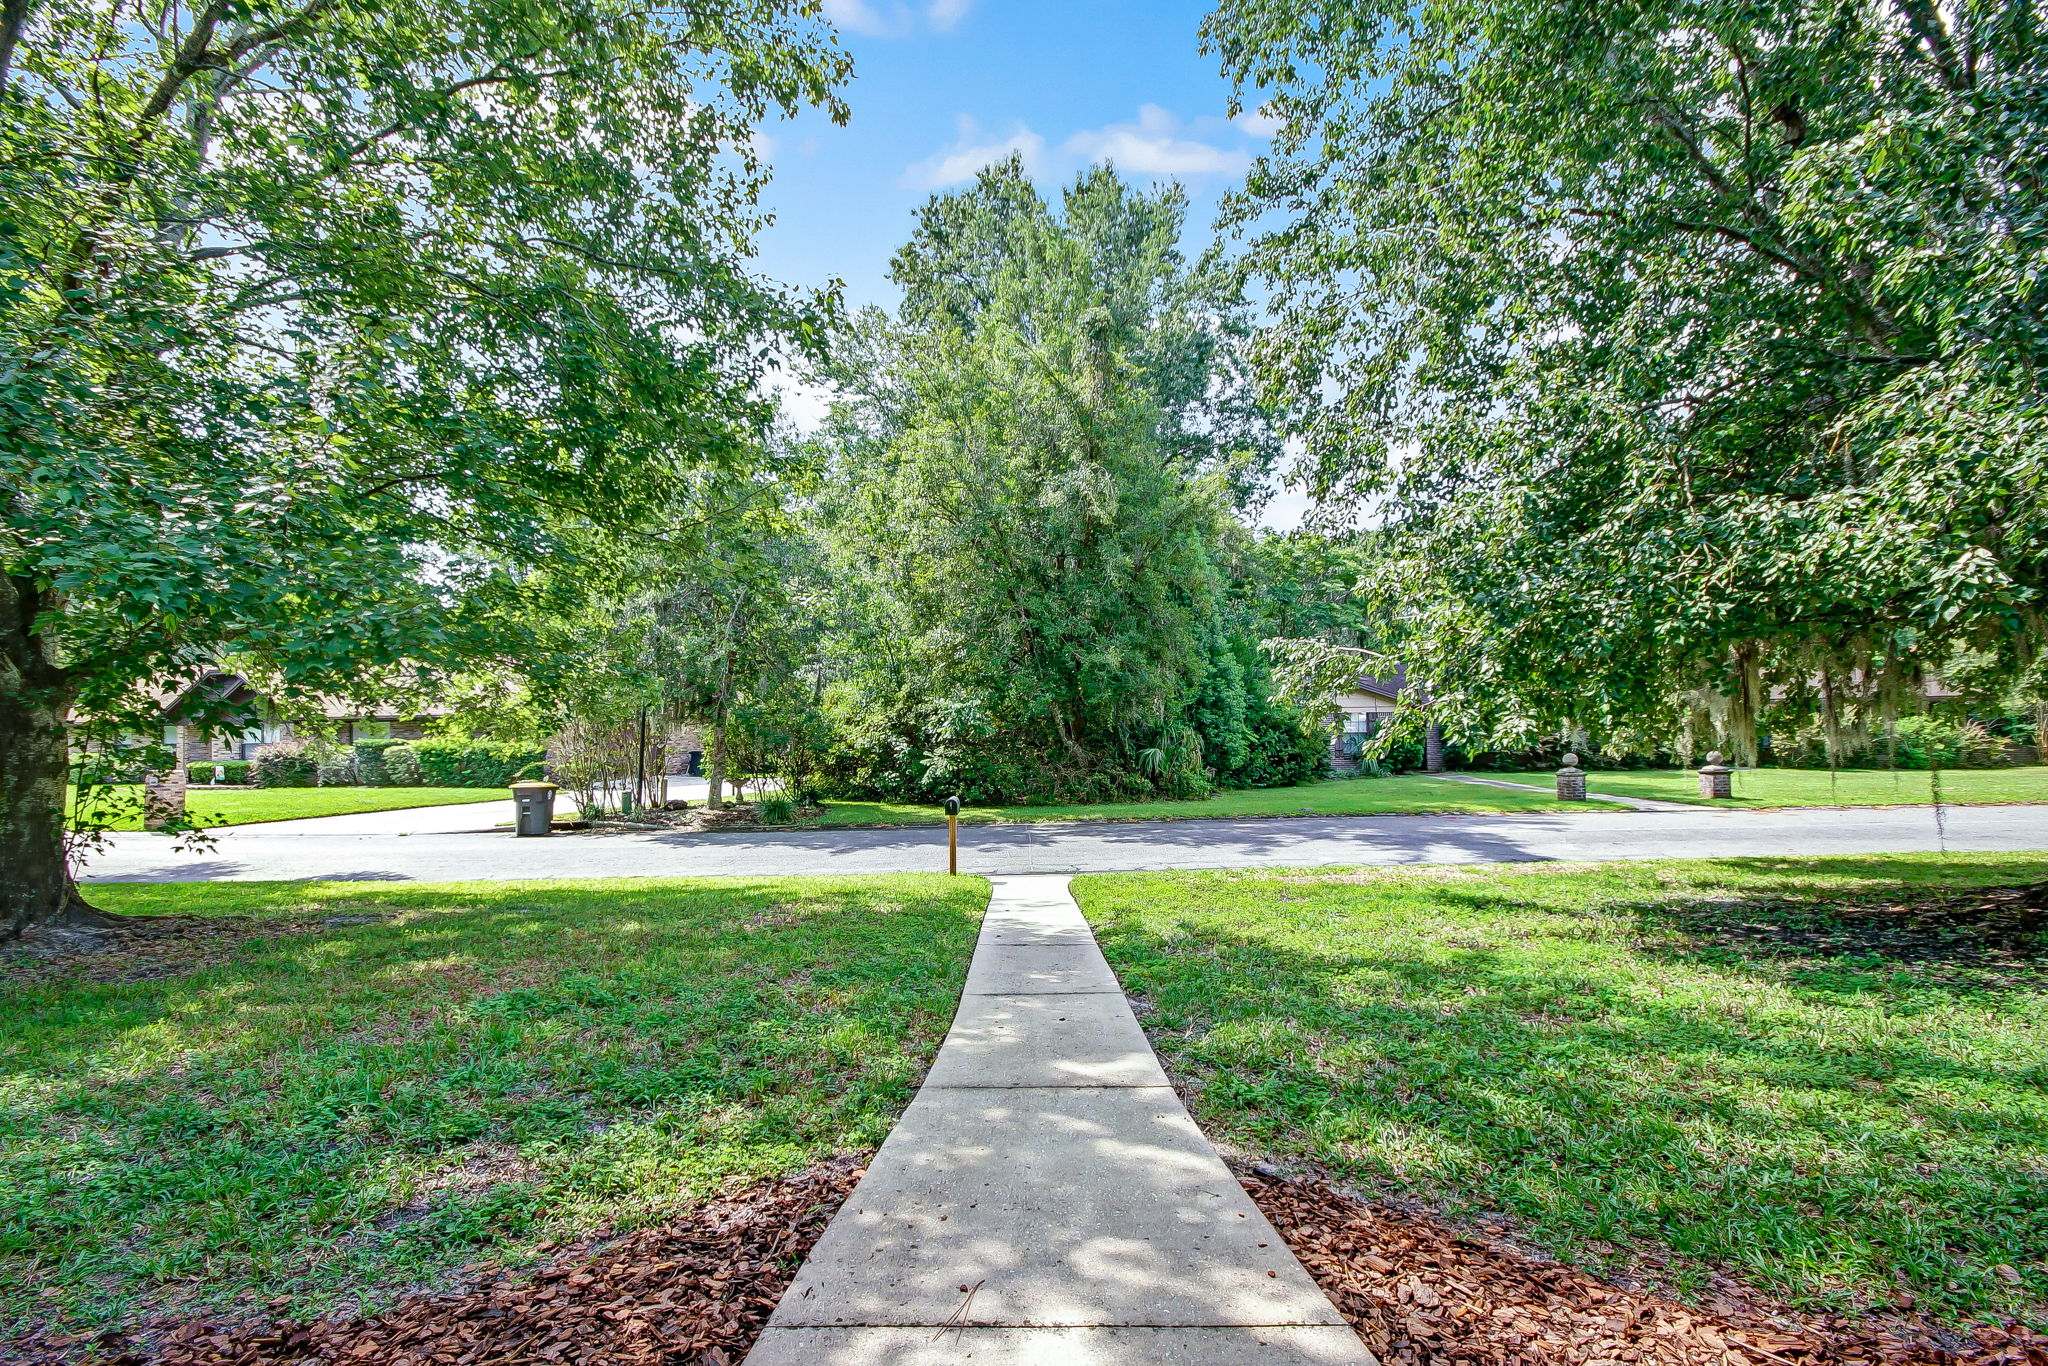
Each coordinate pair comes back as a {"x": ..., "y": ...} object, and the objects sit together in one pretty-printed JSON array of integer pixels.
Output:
[
  {"x": 1154, "y": 146},
  {"x": 1258, "y": 123},
  {"x": 858, "y": 16},
  {"x": 972, "y": 150},
  {"x": 894, "y": 18}
]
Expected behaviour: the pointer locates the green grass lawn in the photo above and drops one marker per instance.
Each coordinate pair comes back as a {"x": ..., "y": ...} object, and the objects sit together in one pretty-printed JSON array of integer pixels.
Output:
[
  {"x": 1408, "y": 795},
  {"x": 1667, "y": 1067},
  {"x": 1763, "y": 787},
  {"x": 248, "y": 806},
  {"x": 331, "y": 1109}
]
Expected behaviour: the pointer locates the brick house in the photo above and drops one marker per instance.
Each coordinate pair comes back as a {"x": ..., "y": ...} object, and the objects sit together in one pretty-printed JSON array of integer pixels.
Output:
[{"x": 193, "y": 719}]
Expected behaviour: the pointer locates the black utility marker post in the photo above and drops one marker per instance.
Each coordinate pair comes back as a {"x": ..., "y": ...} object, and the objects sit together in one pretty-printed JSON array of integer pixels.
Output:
[{"x": 953, "y": 835}]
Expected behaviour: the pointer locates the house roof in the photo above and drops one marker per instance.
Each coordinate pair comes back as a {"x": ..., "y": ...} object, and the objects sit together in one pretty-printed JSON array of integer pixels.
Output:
[{"x": 214, "y": 687}]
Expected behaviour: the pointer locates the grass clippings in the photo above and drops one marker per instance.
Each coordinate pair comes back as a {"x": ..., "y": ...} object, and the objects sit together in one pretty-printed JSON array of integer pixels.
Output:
[
  {"x": 694, "y": 1291},
  {"x": 1422, "y": 1293}
]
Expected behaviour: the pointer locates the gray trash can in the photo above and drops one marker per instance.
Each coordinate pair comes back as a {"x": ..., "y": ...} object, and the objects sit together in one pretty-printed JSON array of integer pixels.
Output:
[{"x": 536, "y": 803}]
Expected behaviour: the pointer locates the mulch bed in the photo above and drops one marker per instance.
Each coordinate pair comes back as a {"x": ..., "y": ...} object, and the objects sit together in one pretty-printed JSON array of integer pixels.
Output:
[
  {"x": 692, "y": 1292},
  {"x": 1422, "y": 1293}
]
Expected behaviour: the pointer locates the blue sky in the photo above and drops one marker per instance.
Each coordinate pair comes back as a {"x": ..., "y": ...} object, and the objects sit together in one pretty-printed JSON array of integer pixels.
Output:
[{"x": 942, "y": 87}]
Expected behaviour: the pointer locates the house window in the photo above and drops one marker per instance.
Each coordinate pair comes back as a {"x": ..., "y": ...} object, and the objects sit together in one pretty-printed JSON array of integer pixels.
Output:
[{"x": 370, "y": 730}]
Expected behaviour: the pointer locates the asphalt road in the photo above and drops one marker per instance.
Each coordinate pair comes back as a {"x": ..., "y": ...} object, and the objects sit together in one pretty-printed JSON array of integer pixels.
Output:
[{"x": 278, "y": 853}]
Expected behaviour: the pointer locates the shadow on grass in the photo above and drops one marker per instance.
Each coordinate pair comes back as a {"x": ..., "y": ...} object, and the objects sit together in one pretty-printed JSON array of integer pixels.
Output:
[
  {"x": 501, "y": 1063},
  {"x": 1632, "y": 1100}
]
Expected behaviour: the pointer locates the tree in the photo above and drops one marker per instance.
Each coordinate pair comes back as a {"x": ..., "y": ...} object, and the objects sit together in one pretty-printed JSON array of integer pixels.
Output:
[
  {"x": 1691, "y": 348},
  {"x": 323, "y": 319},
  {"x": 1032, "y": 481}
]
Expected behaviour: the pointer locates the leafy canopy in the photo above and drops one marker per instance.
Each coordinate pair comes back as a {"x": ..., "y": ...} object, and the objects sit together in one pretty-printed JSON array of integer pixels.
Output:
[
  {"x": 1692, "y": 345},
  {"x": 322, "y": 319}
]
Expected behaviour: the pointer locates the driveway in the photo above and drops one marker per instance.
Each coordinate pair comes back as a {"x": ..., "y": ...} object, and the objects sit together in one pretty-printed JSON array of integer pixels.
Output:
[{"x": 270, "y": 853}]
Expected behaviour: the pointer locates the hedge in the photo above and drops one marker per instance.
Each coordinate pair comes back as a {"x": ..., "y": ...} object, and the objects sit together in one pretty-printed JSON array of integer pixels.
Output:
[
  {"x": 228, "y": 770},
  {"x": 474, "y": 763}
]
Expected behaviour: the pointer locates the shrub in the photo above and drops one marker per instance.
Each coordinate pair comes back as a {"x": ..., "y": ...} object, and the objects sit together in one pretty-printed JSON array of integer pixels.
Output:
[
  {"x": 775, "y": 810},
  {"x": 370, "y": 762},
  {"x": 289, "y": 763},
  {"x": 473, "y": 763},
  {"x": 532, "y": 773},
  {"x": 1931, "y": 742},
  {"x": 227, "y": 770},
  {"x": 399, "y": 766},
  {"x": 336, "y": 767}
]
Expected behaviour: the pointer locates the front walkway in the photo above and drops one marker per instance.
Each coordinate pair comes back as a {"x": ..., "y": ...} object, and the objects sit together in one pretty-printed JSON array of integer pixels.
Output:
[{"x": 1046, "y": 1200}]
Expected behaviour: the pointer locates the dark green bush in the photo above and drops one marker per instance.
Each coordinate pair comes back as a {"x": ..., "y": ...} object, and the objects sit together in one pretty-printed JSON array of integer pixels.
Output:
[
  {"x": 228, "y": 770},
  {"x": 474, "y": 763},
  {"x": 290, "y": 763},
  {"x": 369, "y": 755},
  {"x": 400, "y": 766}
]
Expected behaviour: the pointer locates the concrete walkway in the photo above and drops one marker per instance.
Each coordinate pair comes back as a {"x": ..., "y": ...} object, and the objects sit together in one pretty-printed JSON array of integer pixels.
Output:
[{"x": 1046, "y": 1200}]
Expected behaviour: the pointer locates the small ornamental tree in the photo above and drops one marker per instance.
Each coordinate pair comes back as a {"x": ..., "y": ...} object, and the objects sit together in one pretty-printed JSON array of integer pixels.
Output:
[{"x": 319, "y": 319}]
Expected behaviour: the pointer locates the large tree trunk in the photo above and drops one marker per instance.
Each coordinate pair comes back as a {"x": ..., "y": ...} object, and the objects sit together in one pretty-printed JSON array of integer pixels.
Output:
[{"x": 35, "y": 881}]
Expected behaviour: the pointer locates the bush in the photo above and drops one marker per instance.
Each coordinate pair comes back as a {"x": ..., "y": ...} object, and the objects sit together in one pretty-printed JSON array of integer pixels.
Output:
[
  {"x": 336, "y": 767},
  {"x": 473, "y": 763},
  {"x": 369, "y": 756},
  {"x": 227, "y": 770},
  {"x": 288, "y": 763},
  {"x": 1931, "y": 742},
  {"x": 399, "y": 766},
  {"x": 775, "y": 810},
  {"x": 532, "y": 773}
]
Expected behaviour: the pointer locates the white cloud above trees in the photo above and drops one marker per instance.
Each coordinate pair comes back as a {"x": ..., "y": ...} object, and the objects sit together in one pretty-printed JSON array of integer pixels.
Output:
[{"x": 1157, "y": 144}]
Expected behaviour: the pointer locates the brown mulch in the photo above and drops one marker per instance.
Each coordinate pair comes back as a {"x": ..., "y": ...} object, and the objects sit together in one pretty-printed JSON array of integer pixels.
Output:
[
  {"x": 1422, "y": 1293},
  {"x": 693, "y": 1292},
  {"x": 148, "y": 948}
]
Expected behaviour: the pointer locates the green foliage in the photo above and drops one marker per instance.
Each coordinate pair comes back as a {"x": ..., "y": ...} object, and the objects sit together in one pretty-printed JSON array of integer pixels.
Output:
[
  {"x": 400, "y": 767},
  {"x": 1691, "y": 351},
  {"x": 1032, "y": 479},
  {"x": 371, "y": 760},
  {"x": 227, "y": 770},
  {"x": 473, "y": 763},
  {"x": 287, "y": 763},
  {"x": 324, "y": 324},
  {"x": 775, "y": 810}
]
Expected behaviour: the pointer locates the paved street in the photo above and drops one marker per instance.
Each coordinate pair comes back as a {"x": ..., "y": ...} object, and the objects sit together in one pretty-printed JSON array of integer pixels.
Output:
[{"x": 280, "y": 853}]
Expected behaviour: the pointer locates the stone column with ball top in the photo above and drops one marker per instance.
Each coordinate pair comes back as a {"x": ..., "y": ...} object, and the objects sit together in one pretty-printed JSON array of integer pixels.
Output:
[
  {"x": 1716, "y": 778},
  {"x": 1571, "y": 780}
]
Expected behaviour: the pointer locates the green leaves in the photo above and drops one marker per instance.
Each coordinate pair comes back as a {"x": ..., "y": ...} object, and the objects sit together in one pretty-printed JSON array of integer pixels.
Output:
[
  {"x": 328, "y": 320},
  {"x": 1668, "y": 337}
]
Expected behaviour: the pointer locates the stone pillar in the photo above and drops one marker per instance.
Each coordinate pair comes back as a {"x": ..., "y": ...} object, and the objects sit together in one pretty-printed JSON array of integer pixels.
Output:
[
  {"x": 1716, "y": 778},
  {"x": 1571, "y": 780},
  {"x": 1433, "y": 749},
  {"x": 163, "y": 795}
]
